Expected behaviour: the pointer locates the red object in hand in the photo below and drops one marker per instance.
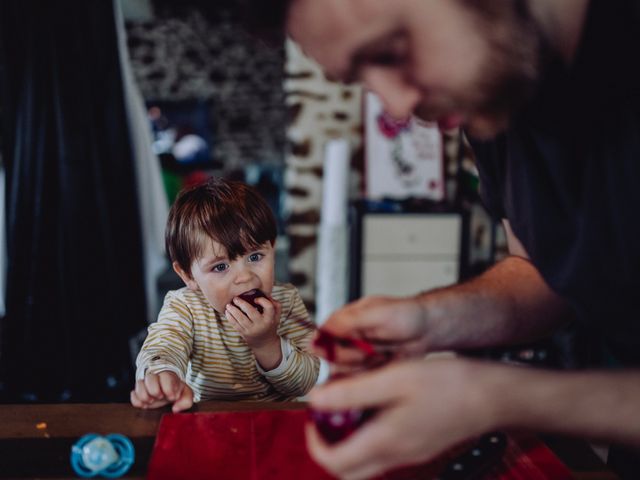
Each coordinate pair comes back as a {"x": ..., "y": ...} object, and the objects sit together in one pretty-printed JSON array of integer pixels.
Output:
[
  {"x": 251, "y": 296},
  {"x": 328, "y": 341},
  {"x": 338, "y": 425}
]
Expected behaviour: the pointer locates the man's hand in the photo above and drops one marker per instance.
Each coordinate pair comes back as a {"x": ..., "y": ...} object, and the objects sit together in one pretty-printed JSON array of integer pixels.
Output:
[
  {"x": 396, "y": 326},
  {"x": 158, "y": 390},
  {"x": 422, "y": 408}
]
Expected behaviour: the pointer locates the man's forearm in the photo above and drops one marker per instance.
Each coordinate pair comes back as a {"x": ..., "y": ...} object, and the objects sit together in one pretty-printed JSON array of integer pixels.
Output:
[
  {"x": 600, "y": 405},
  {"x": 509, "y": 303}
]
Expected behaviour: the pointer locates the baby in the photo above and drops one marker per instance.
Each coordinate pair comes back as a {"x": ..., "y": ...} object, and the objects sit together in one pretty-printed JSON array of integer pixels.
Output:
[{"x": 208, "y": 342}]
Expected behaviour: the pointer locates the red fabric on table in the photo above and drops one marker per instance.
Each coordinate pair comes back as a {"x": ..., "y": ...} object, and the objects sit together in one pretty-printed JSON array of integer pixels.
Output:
[
  {"x": 270, "y": 445},
  {"x": 266, "y": 444}
]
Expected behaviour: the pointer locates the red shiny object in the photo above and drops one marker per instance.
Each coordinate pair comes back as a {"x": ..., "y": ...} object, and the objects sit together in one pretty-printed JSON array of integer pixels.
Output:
[
  {"x": 251, "y": 296},
  {"x": 336, "y": 426},
  {"x": 327, "y": 341}
]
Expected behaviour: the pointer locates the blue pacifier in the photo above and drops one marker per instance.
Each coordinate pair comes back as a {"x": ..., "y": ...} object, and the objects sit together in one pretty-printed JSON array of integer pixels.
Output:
[{"x": 109, "y": 456}]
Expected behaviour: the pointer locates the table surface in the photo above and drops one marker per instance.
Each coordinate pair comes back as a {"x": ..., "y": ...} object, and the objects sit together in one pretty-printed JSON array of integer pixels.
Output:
[{"x": 35, "y": 440}]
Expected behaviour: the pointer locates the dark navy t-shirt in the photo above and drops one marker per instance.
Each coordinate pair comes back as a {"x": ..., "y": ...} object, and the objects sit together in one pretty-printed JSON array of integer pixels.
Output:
[{"x": 567, "y": 177}]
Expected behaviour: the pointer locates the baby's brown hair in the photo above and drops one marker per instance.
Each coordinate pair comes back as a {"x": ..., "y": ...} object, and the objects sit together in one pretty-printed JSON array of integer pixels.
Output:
[{"x": 231, "y": 213}]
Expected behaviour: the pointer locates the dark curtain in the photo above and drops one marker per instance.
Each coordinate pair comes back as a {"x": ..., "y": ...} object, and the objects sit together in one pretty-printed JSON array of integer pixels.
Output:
[{"x": 75, "y": 292}]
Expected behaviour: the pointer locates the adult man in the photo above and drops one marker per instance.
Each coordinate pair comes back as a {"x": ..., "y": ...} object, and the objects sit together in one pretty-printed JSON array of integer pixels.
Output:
[{"x": 551, "y": 82}]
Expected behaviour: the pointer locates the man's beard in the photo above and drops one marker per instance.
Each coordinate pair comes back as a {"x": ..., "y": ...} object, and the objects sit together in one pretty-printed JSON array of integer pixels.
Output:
[{"x": 518, "y": 56}]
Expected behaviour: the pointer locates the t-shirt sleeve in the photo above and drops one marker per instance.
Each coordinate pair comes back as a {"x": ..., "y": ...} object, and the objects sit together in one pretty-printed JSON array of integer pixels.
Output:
[
  {"x": 490, "y": 161},
  {"x": 169, "y": 342},
  {"x": 298, "y": 372}
]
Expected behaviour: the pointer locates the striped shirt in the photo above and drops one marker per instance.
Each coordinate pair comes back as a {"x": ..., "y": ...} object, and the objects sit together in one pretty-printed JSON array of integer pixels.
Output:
[{"x": 201, "y": 346}]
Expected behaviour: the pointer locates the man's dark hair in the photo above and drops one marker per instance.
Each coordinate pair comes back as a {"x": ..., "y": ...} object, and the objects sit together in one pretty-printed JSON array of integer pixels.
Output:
[{"x": 265, "y": 19}]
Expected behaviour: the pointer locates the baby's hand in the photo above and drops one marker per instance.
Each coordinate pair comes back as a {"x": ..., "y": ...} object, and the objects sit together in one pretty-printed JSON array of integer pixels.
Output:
[
  {"x": 258, "y": 329},
  {"x": 159, "y": 389}
]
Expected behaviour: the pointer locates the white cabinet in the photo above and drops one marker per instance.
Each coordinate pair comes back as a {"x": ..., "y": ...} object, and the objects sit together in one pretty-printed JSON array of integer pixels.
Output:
[{"x": 403, "y": 254}]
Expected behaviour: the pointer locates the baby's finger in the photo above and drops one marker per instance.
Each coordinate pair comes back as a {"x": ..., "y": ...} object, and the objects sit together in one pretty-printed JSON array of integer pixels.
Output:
[
  {"x": 152, "y": 384},
  {"x": 157, "y": 404},
  {"x": 246, "y": 308},
  {"x": 234, "y": 323},
  {"x": 151, "y": 403},
  {"x": 239, "y": 316},
  {"x": 135, "y": 401},
  {"x": 170, "y": 385},
  {"x": 141, "y": 392},
  {"x": 268, "y": 307},
  {"x": 185, "y": 401}
]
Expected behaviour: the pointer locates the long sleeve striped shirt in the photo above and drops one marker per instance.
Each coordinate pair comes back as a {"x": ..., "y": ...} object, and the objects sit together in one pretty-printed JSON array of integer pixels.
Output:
[{"x": 201, "y": 346}]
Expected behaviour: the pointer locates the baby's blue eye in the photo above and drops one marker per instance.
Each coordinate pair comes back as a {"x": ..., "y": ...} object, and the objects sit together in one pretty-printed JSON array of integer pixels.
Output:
[
  {"x": 254, "y": 257},
  {"x": 221, "y": 267}
]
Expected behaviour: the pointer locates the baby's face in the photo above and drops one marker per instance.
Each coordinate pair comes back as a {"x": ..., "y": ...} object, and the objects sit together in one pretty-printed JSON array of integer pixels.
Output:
[{"x": 220, "y": 279}]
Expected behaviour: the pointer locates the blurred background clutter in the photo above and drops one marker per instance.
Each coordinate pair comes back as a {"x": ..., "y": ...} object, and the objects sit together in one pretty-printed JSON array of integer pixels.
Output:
[{"x": 107, "y": 113}]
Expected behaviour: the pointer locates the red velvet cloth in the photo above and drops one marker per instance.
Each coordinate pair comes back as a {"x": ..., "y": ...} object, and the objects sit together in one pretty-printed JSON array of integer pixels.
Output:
[
  {"x": 270, "y": 445},
  {"x": 267, "y": 444}
]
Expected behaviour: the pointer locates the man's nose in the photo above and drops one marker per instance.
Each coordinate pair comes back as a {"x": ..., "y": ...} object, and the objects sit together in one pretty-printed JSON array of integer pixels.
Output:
[{"x": 399, "y": 97}]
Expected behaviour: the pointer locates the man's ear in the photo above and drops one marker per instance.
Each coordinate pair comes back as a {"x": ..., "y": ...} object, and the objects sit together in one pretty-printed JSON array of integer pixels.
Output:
[{"x": 186, "y": 277}]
